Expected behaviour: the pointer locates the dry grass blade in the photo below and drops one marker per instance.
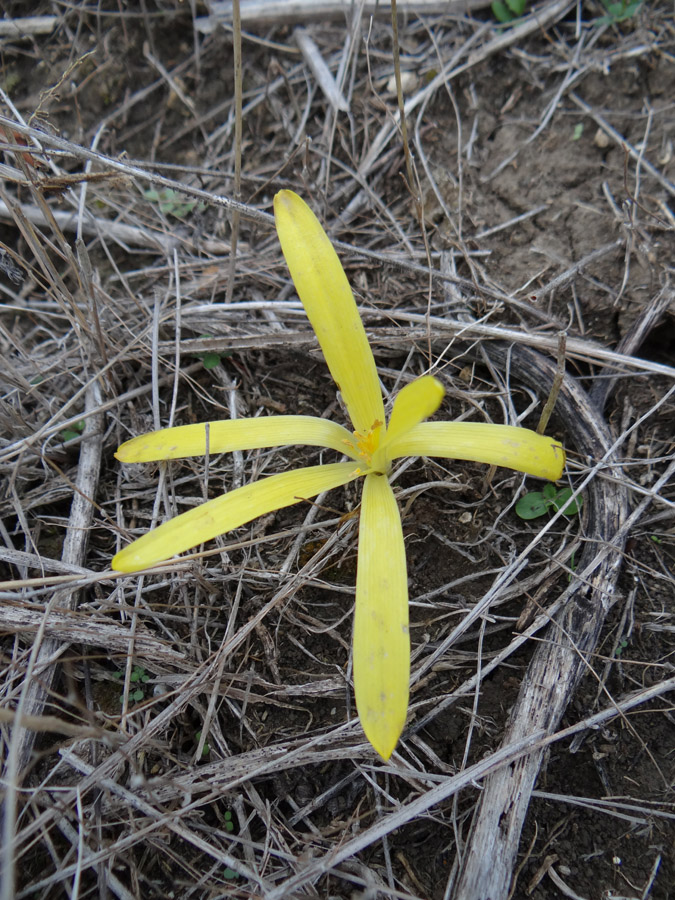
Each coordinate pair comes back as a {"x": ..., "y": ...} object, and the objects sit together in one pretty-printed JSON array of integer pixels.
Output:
[
  {"x": 271, "y": 12},
  {"x": 40, "y": 670},
  {"x": 28, "y": 25}
]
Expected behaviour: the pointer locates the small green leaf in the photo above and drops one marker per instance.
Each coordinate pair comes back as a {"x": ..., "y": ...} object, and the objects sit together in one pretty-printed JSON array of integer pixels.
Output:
[
  {"x": 538, "y": 503},
  {"x": 73, "y": 431},
  {"x": 618, "y": 12},
  {"x": 501, "y": 12},
  {"x": 505, "y": 11},
  {"x": 230, "y": 873},
  {"x": 570, "y": 508},
  {"x": 211, "y": 360},
  {"x": 578, "y": 131},
  {"x": 136, "y": 695},
  {"x": 205, "y": 750},
  {"x": 172, "y": 202},
  {"x": 532, "y": 505}
]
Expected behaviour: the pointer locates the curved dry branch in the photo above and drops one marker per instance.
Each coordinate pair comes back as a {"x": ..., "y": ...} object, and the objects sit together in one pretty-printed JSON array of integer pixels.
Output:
[{"x": 560, "y": 661}]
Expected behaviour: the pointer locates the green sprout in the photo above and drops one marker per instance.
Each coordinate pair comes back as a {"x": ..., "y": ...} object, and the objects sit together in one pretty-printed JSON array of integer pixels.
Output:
[
  {"x": 211, "y": 358},
  {"x": 621, "y": 646},
  {"x": 73, "y": 431},
  {"x": 171, "y": 203},
  {"x": 618, "y": 11},
  {"x": 138, "y": 677},
  {"x": 206, "y": 749},
  {"x": 551, "y": 498},
  {"x": 505, "y": 11},
  {"x": 229, "y": 827}
]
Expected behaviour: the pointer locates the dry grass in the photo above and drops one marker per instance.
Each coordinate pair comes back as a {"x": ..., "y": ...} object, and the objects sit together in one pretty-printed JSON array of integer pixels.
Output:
[{"x": 242, "y": 770}]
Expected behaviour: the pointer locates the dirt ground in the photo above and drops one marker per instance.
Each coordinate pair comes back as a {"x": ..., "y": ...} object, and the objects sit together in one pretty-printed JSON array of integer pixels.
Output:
[{"x": 192, "y": 732}]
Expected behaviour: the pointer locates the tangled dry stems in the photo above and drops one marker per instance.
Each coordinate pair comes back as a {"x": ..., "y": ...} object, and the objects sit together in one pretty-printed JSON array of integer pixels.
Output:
[{"x": 110, "y": 300}]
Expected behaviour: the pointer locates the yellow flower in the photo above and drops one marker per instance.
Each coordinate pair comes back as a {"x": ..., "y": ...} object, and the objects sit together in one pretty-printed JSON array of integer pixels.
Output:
[{"x": 381, "y": 640}]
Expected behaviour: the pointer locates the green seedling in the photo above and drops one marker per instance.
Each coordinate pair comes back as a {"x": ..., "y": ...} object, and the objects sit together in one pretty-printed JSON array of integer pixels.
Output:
[
  {"x": 74, "y": 431},
  {"x": 618, "y": 11},
  {"x": 538, "y": 503},
  {"x": 229, "y": 827},
  {"x": 505, "y": 11},
  {"x": 206, "y": 749},
  {"x": 210, "y": 358},
  {"x": 139, "y": 677},
  {"x": 621, "y": 646},
  {"x": 578, "y": 131},
  {"x": 171, "y": 203}
]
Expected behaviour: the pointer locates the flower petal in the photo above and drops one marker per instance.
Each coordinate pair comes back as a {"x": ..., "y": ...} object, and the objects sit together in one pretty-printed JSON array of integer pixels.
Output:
[
  {"x": 236, "y": 434},
  {"x": 230, "y": 511},
  {"x": 498, "y": 445},
  {"x": 329, "y": 303},
  {"x": 413, "y": 404},
  {"x": 381, "y": 636}
]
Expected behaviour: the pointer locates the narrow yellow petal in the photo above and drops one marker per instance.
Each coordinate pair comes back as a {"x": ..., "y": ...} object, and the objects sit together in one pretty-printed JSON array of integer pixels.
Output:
[
  {"x": 236, "y": 434},
  {"x": 381, "y": 636},
  {"x": 329, "y": 303},
  {"x": 498, "y": 445},
  {"x": 413, "y": 404},
  {"x": 230, "y": 511}
]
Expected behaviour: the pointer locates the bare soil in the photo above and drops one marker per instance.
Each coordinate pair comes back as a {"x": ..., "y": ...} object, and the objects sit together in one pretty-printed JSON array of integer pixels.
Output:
[{"x": 193, "y": 731}]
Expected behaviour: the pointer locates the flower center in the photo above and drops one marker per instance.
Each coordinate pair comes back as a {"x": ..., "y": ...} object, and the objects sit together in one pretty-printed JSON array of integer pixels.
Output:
[{"x": 367, "y": 446}]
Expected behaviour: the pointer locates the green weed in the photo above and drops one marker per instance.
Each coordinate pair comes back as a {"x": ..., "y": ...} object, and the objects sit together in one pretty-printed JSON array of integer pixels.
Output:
[
  {"x": 621, "y": 646},
  {"x": 551, "y": 498},
  {"x": 206, "y": 749},
  {"x": 74, "y": 431},
  {"x": 138, "y": 678},
  {"x": 171, "y": 203},
  {"x": 210, "y": 358},
  {"x": 618, "y": 11},
  {"x": 505, "y": 11}
]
